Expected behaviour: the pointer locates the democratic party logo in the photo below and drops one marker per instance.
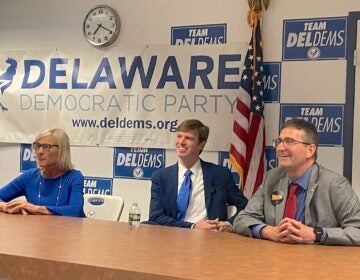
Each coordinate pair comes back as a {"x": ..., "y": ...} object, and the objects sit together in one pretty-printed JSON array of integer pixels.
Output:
[
  {"x": 225, "y": 161},
  {"x": 98, "y": 185},
  {"x": 137, "y": 163},
  {"x": 328, "y": 119},
  {"x": 272, "y": 81},
  {"x": 199, "y": 34},
  {"x": 6, "y": 78},
  {"x": 27, "y": 157},
  {"x": 312, "y": 39},
  {"x": 271, "y": 159},
  {"x": 271, "y": 162}
]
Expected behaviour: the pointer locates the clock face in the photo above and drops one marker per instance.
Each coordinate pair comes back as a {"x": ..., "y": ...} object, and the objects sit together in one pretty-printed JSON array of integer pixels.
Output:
[{"x": 101, "y": 26}]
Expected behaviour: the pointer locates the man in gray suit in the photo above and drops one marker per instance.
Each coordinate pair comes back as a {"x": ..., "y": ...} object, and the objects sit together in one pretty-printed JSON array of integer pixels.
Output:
[{"x": 326, "y": 209}]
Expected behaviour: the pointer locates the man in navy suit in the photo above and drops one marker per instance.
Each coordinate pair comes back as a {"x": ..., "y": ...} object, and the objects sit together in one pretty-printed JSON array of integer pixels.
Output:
[{"x": 212, "y": 186}]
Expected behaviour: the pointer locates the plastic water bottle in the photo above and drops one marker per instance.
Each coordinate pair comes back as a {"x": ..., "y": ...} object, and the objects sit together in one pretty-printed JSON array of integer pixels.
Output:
[{"x": 134, "y": 215}]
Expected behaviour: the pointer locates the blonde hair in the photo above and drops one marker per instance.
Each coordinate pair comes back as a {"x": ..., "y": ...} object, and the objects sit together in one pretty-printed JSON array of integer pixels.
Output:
[{"x": 62, "y": 139}]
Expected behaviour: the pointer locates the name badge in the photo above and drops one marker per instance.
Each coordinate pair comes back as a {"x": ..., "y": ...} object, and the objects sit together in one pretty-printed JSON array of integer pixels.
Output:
[{"x": 277, "y": 197}]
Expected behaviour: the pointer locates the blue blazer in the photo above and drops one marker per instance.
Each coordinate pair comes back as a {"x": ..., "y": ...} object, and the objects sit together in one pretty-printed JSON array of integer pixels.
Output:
[{"x": 220, "y": 190}]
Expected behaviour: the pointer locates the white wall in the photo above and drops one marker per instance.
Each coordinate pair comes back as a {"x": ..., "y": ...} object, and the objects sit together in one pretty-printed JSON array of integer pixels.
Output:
[
  {"x": 58, "y": 24},
  {"x": 39, "y": 24}
]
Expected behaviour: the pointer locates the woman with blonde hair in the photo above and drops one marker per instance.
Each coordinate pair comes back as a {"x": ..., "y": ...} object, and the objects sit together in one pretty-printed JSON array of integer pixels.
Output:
[{"x": 54, "y": 187}]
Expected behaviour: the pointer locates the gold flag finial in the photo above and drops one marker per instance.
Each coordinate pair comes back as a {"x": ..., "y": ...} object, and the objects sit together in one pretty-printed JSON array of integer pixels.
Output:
[
  {"x": 255, "y": 11},
  {"x": 257, "y": 5}
]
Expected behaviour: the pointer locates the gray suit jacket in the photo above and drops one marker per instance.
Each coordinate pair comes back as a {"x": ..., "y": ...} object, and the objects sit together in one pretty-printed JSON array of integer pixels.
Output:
[{"x": 330, "y": 203}]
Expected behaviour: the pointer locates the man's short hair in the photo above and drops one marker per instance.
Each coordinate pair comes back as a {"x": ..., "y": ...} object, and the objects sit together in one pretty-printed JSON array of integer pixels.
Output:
[
  {"x": 192, "y": 124},
  {"x": 311, "y": 134}
]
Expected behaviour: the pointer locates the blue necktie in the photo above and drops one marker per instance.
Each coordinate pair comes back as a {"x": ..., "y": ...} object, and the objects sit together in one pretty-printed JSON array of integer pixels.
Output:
[{"x": 184, "y": 194}]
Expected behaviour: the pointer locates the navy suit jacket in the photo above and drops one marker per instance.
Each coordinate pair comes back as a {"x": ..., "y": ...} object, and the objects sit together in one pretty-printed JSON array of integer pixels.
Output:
[{"x": 220, "y": 190}]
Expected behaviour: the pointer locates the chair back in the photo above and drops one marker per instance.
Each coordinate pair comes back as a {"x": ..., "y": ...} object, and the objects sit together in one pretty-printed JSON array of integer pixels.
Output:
[
  {"x": 103, "y": 207},
  {"x": 231, "y": 210}
]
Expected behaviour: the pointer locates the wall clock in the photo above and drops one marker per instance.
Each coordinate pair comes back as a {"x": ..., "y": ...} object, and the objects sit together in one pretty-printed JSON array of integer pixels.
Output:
[{"x": 101, "y": 26}]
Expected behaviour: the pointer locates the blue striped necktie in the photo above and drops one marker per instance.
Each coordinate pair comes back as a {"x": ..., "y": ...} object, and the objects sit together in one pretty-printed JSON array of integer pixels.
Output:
[{"x": 182, "y": 201}]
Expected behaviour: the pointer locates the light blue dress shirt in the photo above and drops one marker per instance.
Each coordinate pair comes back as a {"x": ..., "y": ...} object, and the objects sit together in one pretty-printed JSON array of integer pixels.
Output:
[{"x": 303, "y": 182}]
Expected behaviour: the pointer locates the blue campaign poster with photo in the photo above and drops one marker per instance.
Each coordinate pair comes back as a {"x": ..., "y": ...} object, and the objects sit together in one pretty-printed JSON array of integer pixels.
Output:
[
  {"x": 328, "y": 118},
  {"x": 314, "y": 38},
  {"x": 27, "y": 157},
  {"x": 98, "y": 185},
  {"x": 199, "y": 34},
  {"x": 272, "y": 81},
  {"x": 137, "y": 163}
]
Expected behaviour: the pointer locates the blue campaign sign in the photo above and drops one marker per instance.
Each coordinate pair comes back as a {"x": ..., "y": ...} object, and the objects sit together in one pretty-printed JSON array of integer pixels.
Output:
[
  {"x": 225, "y": 161},
  {"x": 271, "y": 158},
  {"x": 328, "y": 118},
  {"x": 316, "y": 38},
  {"x": 27, "y": 157},
  {"x": 98, "y": 185},
  {"x": 199, "y": 34},
  {"x": 272, "y": 81},
  {"x": 137, "y": 163}
]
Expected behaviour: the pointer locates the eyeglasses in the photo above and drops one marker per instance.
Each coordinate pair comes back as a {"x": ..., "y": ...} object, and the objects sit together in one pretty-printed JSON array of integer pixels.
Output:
[
  {"x": 288, "y": 142},
  {"x": 46, "y": 147}
]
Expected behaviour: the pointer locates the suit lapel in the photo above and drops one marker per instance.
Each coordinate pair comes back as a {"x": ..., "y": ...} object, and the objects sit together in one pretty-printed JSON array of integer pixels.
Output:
[
  {"x": 173, "y": 183},
  {"x": 208, "y": 188},
  {"x": 310, "y": 193},
  {"x": 280, "y": 208}
]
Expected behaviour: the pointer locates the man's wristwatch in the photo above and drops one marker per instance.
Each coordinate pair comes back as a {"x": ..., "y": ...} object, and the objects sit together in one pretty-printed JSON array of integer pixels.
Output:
[{"x": 318, "y": 234}]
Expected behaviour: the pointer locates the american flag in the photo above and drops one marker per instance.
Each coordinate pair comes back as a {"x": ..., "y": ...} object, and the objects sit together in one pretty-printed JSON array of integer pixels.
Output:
[{"x": 247, "y": 147}]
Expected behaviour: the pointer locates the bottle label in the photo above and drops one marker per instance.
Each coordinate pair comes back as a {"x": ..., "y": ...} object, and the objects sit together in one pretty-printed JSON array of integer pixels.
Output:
[{"x": 134, "y": 218}]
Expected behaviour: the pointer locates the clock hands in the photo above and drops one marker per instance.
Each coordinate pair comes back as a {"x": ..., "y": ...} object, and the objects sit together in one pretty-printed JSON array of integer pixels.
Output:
[
  {"x": 99, "y": 25},
  {"x": 110, "y": 31}
]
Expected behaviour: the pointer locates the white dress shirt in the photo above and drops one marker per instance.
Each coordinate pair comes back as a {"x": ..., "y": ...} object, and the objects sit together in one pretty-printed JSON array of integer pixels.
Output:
[{"x": 196, "y": 211}]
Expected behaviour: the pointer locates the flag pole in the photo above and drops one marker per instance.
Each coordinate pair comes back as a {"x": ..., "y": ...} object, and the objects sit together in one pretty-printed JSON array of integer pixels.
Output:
[{"x": 247, "y": 148}]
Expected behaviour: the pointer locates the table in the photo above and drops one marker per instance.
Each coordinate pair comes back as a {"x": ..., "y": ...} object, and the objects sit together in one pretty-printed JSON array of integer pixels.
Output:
[{"x": 51, "y": 247}]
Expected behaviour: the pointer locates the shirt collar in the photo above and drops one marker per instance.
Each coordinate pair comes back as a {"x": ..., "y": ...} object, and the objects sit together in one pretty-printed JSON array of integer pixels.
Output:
[
  {"x": 303, "y": 180},
  {"x": 194, "y": 169}
]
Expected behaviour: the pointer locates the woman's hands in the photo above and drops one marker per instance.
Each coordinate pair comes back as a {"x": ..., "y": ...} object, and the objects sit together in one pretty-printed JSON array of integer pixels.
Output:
[
  {"x": 2, "y": 206},
  {"x": 23, "y": 207}
]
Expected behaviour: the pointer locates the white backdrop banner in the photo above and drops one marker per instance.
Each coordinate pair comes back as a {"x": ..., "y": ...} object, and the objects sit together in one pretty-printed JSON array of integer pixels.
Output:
[{"x": 133, "y": 96}]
